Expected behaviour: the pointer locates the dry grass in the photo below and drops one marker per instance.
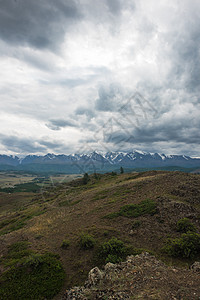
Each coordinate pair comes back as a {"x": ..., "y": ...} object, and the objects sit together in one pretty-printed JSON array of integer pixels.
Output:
[
  {"x": 85, "y": 207},
  {"x": 11, "y": 179}
]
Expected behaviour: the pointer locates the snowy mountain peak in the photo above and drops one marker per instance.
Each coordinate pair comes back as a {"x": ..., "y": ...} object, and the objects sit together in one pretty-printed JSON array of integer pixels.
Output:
[{"x": 134, "y": 159}]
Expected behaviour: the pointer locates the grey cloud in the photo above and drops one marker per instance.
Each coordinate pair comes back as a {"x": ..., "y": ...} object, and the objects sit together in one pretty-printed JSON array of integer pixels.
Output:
[
  {"x": 58, "y": 124},
  {"x": 110, "y": 98},
  {"x": 88, "y": 141},
  {"x": 114, "y": 6},
  {"x": 187, "y": 65},
  {"x": 71, "y": 82},
  {"x": 28, "y": 145},
  {"x": 185, "y": 44},
  {"x": 32, "y": 25},
  {"x": 67, "y": 82},
  {"x": 53, "y": 145},
  {"x": 40, "y": 24},
  {"x": 38, "y": 62},
  {"x": 21, "y": 145},
  {"x": 176, "y": 133},
  {"x": 85, "y": 111}
]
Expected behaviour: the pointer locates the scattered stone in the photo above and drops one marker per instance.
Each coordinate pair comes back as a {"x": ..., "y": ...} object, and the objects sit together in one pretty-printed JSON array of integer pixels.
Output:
[
  {"x": 109, "y": 266},
  {"x": 141, "y": 276},
  {"x": 195, "y": 266},
  {"x": 94, "y": 276}
]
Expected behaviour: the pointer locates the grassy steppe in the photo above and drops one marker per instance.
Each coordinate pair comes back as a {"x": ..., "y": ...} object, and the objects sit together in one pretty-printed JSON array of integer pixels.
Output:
[{"x": 139, "y": 209}]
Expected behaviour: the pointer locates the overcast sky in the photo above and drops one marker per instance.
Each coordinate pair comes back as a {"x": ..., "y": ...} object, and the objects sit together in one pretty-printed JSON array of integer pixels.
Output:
[{"x": 109, "y": 75}]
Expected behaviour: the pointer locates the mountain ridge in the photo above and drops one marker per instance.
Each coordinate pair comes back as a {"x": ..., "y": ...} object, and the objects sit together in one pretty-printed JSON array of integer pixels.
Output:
[{"x": 99, "y": 160}]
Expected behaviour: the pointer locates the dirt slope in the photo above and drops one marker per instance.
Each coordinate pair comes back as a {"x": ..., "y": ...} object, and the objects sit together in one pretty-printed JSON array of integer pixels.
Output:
[{"x": 69, "y": 209}]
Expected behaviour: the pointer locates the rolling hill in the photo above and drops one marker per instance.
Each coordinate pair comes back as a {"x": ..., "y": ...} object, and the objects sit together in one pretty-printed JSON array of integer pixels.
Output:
[{"x": 74, "y": 221}]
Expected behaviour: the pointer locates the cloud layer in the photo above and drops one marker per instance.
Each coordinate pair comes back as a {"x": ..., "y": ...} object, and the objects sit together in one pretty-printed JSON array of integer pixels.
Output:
[{"x": 107, "y": 75}]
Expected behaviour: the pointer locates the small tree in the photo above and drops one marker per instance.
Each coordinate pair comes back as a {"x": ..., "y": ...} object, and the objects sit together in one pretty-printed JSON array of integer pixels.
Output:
[
  {"x": 86, "y": 178},
  {"x": 121, "y": 170}
]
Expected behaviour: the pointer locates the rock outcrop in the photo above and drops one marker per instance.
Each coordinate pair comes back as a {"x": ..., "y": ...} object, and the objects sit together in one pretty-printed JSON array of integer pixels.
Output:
[{"x": 141, "y": 276}]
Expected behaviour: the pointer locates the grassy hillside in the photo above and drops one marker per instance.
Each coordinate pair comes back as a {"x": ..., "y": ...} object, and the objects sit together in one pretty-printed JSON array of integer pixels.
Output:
[{"x": 77, "y": 222}]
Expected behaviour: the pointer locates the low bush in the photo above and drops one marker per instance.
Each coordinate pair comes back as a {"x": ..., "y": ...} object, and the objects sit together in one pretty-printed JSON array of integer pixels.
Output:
[
  {"x": 16, "y": 225},
  {"x": 33, "y": 260},
  {"x": 184, "y": 225},
  {"x": 35, "y": 277},
  {"x": 65, "y": 244},
  {"x": 113, "y": 251},
  {"x": 188, "y": 245},
  {"x": 136, "y": 224},
  {"x": 113, "y": 173},
  {"x": 6, "y": 222},
  {"x": 135, "y": 210},
  {"x": 87, "y": 241},
  {"x": 106, "y": 233},
  {"x": 18, "y": 250}
]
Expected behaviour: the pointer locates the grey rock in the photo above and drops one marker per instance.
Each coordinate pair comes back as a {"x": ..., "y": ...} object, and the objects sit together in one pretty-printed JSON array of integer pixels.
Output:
[
  {"x": 94, "y": 276},
  {"x": 195, "y": 266},
  {"x": 109, "y": 266}
]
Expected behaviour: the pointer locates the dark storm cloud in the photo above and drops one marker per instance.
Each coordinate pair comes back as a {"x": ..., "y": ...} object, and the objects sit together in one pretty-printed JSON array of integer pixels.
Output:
[
  {"x": 190, "y": 56},
  {"x": 40, "y": 24},
  {"x": 58, "y": 124},
  {"x": 175, "y": 133},
  {"x": 21, "y": 145},
  {"x": 143, "y": 46},
  {"x": 185, "y": 54},
  {"x": 27, "y": 145},
  {"x": 187, "y": 64}
]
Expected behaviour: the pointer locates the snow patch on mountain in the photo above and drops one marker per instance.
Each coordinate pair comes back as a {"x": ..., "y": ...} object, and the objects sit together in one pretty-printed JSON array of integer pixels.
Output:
[{"x": 131, "y": 159}]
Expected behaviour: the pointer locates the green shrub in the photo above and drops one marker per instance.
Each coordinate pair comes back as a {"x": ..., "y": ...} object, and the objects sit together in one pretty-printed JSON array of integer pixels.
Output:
[
  {"x": 38, "y": 236},
  {"x": 86, "y": 241},
  {"x": 135, "y": 210},
  {"x": 33, "y": 260},
  {"x": 113, "y": 251},
  {"x": 18, "y": 246},
  {"x": 184, "y": 225},
  {"x": 18, "y": 250},
  {"x": 36, "y": 277},
  {"x": 136, "y": 224},
  {"x": 113, "y": 173},
  {"x": 106, "y": 233},
  {"x": 16, "y": 225},
  {"x": 65, "y": 244},
  {"x": 188, "y": 245},
  {"x": 6, "y": 222}
]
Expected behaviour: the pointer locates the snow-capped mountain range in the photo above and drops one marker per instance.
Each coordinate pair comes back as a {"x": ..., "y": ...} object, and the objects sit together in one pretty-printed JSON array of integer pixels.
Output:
[{"x": 134, "y": 159}]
